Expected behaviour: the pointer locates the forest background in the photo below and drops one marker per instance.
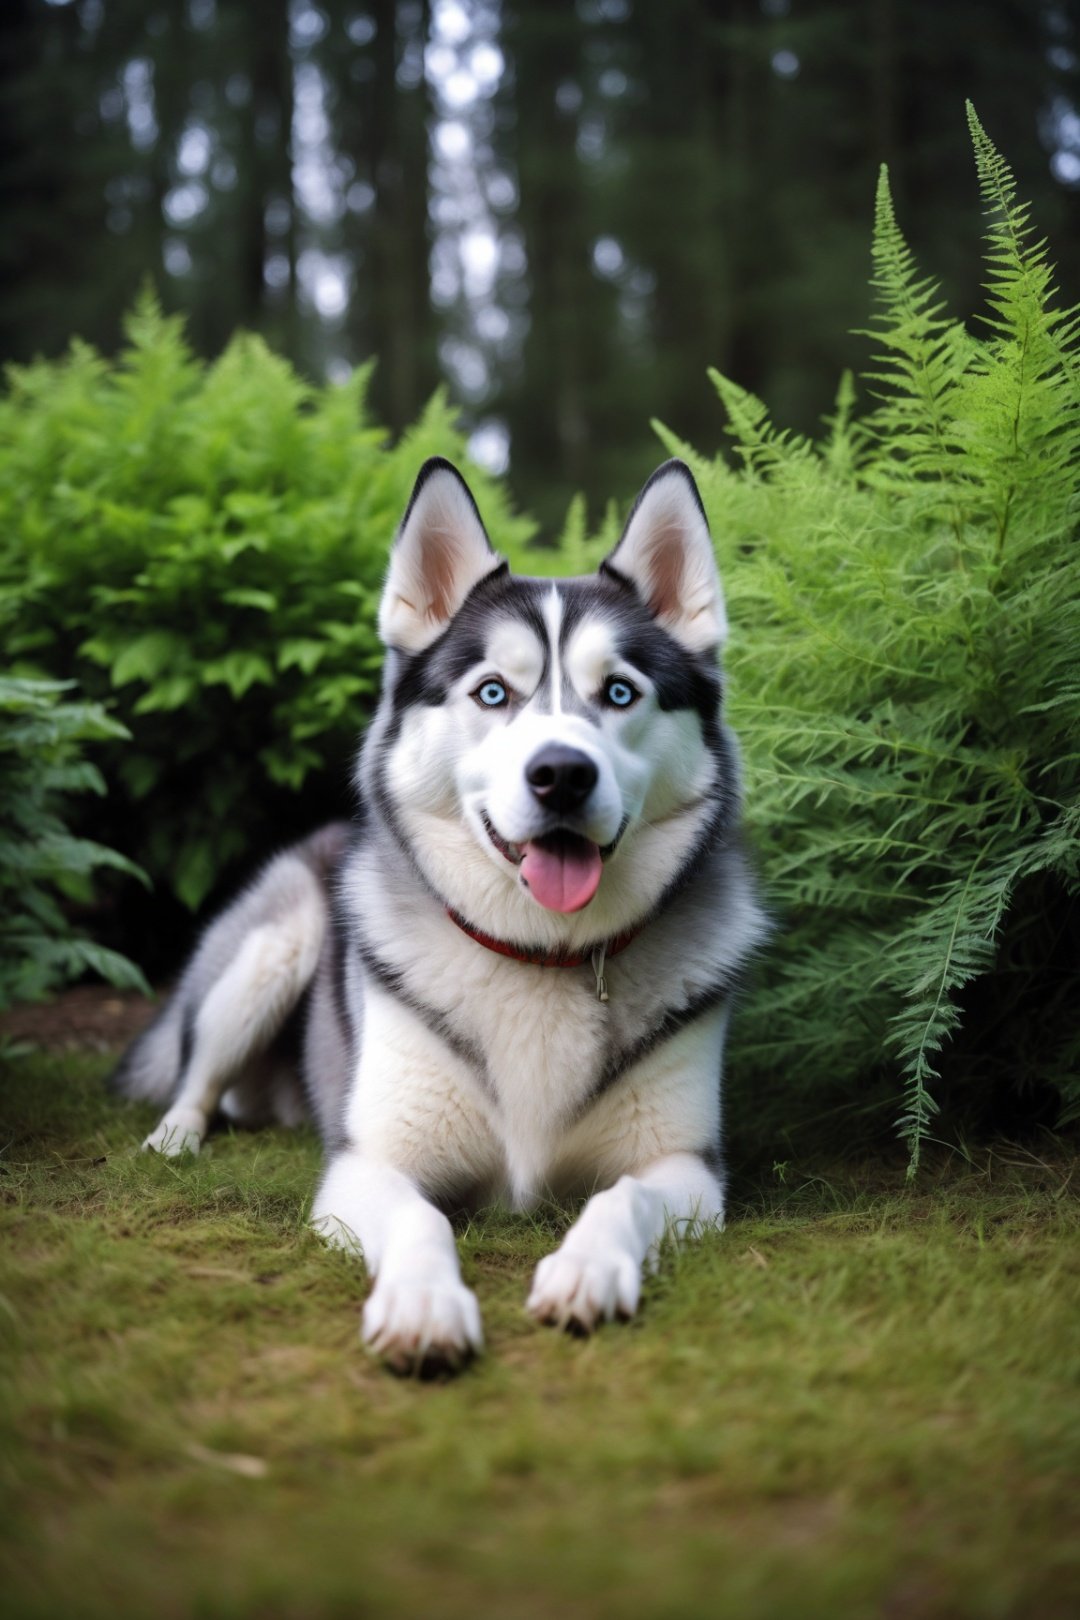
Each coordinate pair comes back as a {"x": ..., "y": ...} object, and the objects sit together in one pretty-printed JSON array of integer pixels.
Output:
[{"x": 564, "y": 211}]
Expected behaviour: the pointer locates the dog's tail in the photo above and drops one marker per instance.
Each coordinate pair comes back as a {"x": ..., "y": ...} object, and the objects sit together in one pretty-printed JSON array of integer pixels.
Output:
[{"x": 150, "y": 1068}]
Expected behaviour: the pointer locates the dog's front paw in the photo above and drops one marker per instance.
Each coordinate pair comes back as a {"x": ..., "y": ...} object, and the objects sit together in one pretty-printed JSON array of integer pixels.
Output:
[
  {"x": 181, "y": 1131},
  {"x": 423, "y": 1328},
  {"x": 578, "y": 1290}
]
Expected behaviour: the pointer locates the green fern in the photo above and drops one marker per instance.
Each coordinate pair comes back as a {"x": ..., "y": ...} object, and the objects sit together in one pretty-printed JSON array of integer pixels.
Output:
[
  {"x": 42, "y": 732},
  {"x": 905, "y": 596},
  {"x": 1022, "y": 395},
  {"x": 924, "y": 357}
]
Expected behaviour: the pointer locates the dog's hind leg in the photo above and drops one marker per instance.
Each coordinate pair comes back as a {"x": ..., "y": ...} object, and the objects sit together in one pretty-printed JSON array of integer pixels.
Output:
[{"x": 238, "y": 1018}]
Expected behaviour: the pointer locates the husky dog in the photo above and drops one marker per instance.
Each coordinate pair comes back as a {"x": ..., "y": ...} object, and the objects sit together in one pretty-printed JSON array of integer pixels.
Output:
[{"x": 510, "y": 977}]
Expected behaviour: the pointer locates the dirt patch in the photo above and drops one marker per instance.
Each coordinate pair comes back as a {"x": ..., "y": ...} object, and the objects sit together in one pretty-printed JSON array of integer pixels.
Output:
[{"x": 90, "y": 1018}]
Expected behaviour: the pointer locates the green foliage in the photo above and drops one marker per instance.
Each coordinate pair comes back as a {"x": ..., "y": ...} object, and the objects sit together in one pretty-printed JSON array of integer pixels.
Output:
[
  {"x": 905, "y": 596},
  {"x": 41, "y": 863},
  {"x": 202, "y": 547}
]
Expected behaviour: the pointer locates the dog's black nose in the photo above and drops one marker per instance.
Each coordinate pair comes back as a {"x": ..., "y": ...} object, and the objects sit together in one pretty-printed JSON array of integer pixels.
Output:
[{"x": 561, "y": 778}]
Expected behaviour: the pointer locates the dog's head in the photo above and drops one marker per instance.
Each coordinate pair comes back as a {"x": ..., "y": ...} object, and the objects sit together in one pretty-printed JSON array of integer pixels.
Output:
[{"x": 551, "y": 752}]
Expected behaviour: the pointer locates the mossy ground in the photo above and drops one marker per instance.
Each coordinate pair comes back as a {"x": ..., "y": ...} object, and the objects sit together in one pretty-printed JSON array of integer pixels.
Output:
[{"x": 859, "y": 1400}]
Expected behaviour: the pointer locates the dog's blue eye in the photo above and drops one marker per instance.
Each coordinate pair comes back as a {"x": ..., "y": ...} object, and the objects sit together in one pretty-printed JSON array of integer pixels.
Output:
[
  {"x": 492, "y": 694},
  {"x": 620, "y": 693}
]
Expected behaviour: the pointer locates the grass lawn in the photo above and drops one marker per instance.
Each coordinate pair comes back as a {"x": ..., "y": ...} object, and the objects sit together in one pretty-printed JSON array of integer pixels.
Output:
[{"x": 857, "y": 1401}]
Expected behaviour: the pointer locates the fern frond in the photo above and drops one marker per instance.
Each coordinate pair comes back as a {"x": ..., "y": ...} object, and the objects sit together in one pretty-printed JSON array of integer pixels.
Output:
[
  {"x": 922, "y": 357},
  {"x": 701, "y": 467},
  {"x": 763, "y": 449},
  {"x": 578, "y": 552},
  {"x": 844, "y": 451},
  {"x": 1019, "y": 273},
  {"x": 1023, "y": 396},
  {"x": 957, "y": 949}
]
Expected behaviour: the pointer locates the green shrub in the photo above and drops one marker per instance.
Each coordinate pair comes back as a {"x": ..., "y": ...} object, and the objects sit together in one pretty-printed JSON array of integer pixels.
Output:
[
  {"x": 41, "y": 864},
  {"x": 905, "y": 675},
  {"x": 202, "y": 547}
]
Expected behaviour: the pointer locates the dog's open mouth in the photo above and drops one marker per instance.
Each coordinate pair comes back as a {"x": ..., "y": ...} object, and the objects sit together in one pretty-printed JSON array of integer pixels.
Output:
[
  {"x": 560, "y": 869},
  {"x": 511, "y": 852}
]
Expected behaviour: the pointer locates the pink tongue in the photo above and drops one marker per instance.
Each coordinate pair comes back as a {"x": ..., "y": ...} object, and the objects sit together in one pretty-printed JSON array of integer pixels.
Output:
[{"x": 564, "y": 879}]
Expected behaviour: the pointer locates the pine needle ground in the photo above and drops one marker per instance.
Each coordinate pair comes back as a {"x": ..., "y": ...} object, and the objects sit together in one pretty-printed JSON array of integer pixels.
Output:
[{"x": 859, "y": 1400}]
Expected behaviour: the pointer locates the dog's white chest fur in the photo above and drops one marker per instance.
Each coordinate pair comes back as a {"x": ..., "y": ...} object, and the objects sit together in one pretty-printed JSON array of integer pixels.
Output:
[
  {"x": 544, "y": 1041},
  {"x": 529, "y": 1040}
]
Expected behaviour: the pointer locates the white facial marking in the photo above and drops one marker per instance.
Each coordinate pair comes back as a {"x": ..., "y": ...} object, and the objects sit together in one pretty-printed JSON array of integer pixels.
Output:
[
  {"x": 516, "y": 653},
  {"x": 553, "y": 621},
  {"x": 590, "y": 657}
]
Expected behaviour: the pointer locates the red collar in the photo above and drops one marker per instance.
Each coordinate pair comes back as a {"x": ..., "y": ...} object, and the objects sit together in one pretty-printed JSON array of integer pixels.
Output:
[{"x": 539, "y": 958}]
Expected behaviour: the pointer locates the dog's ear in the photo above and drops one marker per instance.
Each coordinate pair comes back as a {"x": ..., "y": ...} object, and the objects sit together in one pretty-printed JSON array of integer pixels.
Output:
[
  {"x": 440, "y": 553},
  {"x": 666, "y": 554}
]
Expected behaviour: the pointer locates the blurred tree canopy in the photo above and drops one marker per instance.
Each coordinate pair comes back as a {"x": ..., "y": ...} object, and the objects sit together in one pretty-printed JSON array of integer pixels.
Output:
[{"x": 564, "y": 209}]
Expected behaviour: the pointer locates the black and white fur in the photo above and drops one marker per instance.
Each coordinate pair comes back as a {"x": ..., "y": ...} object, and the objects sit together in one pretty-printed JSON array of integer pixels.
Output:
[{"x": 441, "y": 1073}]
